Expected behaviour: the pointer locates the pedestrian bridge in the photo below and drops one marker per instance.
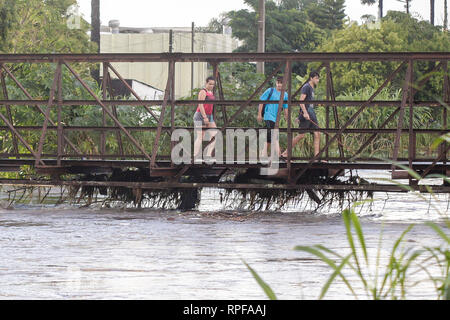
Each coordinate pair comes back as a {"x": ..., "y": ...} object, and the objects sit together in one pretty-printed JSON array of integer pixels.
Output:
[{"x": 53, "y": 143}]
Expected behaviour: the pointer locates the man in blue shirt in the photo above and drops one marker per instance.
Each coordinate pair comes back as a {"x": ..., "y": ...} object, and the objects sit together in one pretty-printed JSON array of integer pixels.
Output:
[
  {"x": 271, "y": 113},
  {"x": 307, "y": 118}
]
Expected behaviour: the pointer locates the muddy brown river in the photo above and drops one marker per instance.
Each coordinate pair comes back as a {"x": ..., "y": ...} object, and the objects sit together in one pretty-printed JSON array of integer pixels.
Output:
[{"x": 67, "y": 252}]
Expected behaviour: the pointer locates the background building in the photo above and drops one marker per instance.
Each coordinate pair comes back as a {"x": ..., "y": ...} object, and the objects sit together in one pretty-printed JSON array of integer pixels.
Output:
[{"x": 116, "y": 39}]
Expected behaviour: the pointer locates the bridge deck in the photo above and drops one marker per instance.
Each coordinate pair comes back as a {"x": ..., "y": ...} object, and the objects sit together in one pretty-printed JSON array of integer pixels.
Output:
[{"x": 54, "y": 147}]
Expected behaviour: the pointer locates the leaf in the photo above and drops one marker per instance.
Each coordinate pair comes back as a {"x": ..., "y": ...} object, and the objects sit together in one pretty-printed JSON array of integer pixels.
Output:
[
  {"x": 439, "y": 231},
  {"x": 336, "y": 272},
  {"x": 267, "y": 290},
  {"x": 360, "y": 234}
]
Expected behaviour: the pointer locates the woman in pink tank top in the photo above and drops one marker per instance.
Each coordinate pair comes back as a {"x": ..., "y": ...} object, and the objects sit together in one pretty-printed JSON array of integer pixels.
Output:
[{"x": 203, "y": 118}]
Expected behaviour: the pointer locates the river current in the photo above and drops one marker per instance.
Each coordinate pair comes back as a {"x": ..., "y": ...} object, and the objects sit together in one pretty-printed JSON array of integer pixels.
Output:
[{"x": 68, "y": 252}]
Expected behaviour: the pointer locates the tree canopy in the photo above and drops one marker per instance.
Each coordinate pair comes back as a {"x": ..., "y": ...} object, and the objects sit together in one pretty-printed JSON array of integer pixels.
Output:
[
  {"x": 40, "y": 26},
  {"x": 398, "y": 32}
]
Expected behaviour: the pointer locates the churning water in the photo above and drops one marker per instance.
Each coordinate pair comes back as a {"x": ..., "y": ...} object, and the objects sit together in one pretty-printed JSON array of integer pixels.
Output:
[{"x": 67, "y": 252}]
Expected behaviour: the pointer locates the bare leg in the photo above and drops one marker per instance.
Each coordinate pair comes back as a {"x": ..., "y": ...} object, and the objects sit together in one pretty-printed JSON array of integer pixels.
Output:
[
  {"x": 316, "y": 143},
  {"x": 276, "y": 147},
  {"x": 264, "y": 150},
  {"x": 198, "y": 143},
  {"x": 212, "y": 134},
  {"x": 295, "y": 140}
]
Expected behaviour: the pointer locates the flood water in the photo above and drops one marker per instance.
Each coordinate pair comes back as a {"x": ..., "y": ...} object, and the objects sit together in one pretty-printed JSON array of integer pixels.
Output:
[{"x": 67, "y": 252}]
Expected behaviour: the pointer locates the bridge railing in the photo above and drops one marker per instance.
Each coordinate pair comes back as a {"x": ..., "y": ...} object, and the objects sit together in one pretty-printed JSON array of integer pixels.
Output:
[{"x": 55, "y": 127}]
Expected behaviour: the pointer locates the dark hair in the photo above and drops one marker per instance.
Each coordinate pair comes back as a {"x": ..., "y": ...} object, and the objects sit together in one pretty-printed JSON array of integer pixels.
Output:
[
  {"x": 314, "y": 74},
  {"x": 280, "y": 78},
  {"x": 210, "y": 78}
]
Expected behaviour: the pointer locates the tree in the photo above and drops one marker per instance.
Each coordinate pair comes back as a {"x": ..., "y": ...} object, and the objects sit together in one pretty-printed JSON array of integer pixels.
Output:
[
  {"x": 398, "y": 32},
  {"x": 380, "y": 6},
  {"x": 327, "y": 14},
  {"x": 95, "y": 33},
  {"x": 445, "y": 15},
  {"x": 296, "y": 4},
  {"x": 7, "y": 9},
  {"x": 432, "y": 12},
  {"x": 215, "y": 25},
  {"x": 368, "y": 18},
  {"x": 40, "y": 26},
  {"x": 95, "y": 22},
  {"x": 286, "y": 31},
  {"x": 407, "y": 4}
]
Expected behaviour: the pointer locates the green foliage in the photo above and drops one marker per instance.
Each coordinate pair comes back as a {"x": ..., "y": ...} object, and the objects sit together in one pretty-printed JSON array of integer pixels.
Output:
[
  {"x": 369, "y": 2},
  {"x": 378, "y": 282},
  {"x": 267, "y": 290},
  {"x": 286, "y": 31},
  {"x": 7, "y": 10},
  {"x": 327, "y": 14},
  {"x": 38, "y": 26},
  {"x": 393, "y": 280},
  {"x": 407, "y": 4},
  {"x": 295, "y": 4},
  {"x": 398, "y": 32},
  {"x": 215, "y": 25}
]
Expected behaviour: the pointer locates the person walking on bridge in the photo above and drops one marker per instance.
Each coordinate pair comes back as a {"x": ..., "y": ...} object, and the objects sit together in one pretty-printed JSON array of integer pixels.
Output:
[
  {"x": 269, "y": 112},
  {"x": 203, "y": 118},
  {"x": 307, "y": 118}
]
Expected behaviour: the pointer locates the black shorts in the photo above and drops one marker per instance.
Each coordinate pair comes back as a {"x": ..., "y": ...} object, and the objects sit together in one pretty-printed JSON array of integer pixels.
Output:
[
  {"x": 269, "y": 126},
  {"x": 306, "y": 124}
]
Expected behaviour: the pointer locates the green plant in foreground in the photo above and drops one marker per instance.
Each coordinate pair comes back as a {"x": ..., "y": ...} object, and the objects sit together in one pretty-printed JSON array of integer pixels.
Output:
[
  {"x": 392, "y": 282},
  {"x": 395, "y": 279}
]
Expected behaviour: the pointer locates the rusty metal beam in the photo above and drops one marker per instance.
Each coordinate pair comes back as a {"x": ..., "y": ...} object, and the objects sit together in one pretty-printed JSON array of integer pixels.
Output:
[
  {"x": 35, "y": 103},
  {"x": 441, "y": 157},
  {"x": 19, "y": 136},
  {"x": 47, "y": 112},
  {"x": 226, "y": 103},
  {"x": 286, "y": 74},
  {"x": 104, "y": 95},
  {"x": 221, "y": 96},
  {"x": 405, "y": 98},
  {"x": 373, "y": 96},
  {"x": 60, "y": 131},
  {"x": 289, "y": 125},
  {"x": 372, "y": 137},
  {"x": 330, "y": 87},
  {"x": 169, "y": 185},
  {"x": 374, "y": 131},
  {"x": 227, "y": 57},
  {"x": 114, "y": 111},
  {"x": 419, "y": 86},
  {"x": 297, "y": 162},
  {"x": 133, "y": 140},
  {"x": 8, "y": 110},
  {"x": 170, "y": 77},
  {"x": 246, "y": 103},
  {"x": 131, "y": 90}
]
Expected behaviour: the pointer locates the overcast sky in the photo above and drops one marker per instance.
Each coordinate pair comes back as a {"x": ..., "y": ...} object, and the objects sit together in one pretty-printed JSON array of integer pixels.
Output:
[{"x": 181, "y": 13}]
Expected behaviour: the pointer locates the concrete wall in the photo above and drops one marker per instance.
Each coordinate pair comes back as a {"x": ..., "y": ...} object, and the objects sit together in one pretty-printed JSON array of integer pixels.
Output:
[{"x": 155, "y": 74}]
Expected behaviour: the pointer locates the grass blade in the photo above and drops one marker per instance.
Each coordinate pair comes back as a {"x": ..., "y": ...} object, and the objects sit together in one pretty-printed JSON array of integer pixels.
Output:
[{"x": 267, "y": 290}]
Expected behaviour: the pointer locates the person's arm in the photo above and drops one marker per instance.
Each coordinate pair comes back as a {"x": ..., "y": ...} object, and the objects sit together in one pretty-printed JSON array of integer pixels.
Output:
[
  {"x": 260, "y": 108},
  {"x": 202, "y": 96},
  {"x": 303, "y": 107}
]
